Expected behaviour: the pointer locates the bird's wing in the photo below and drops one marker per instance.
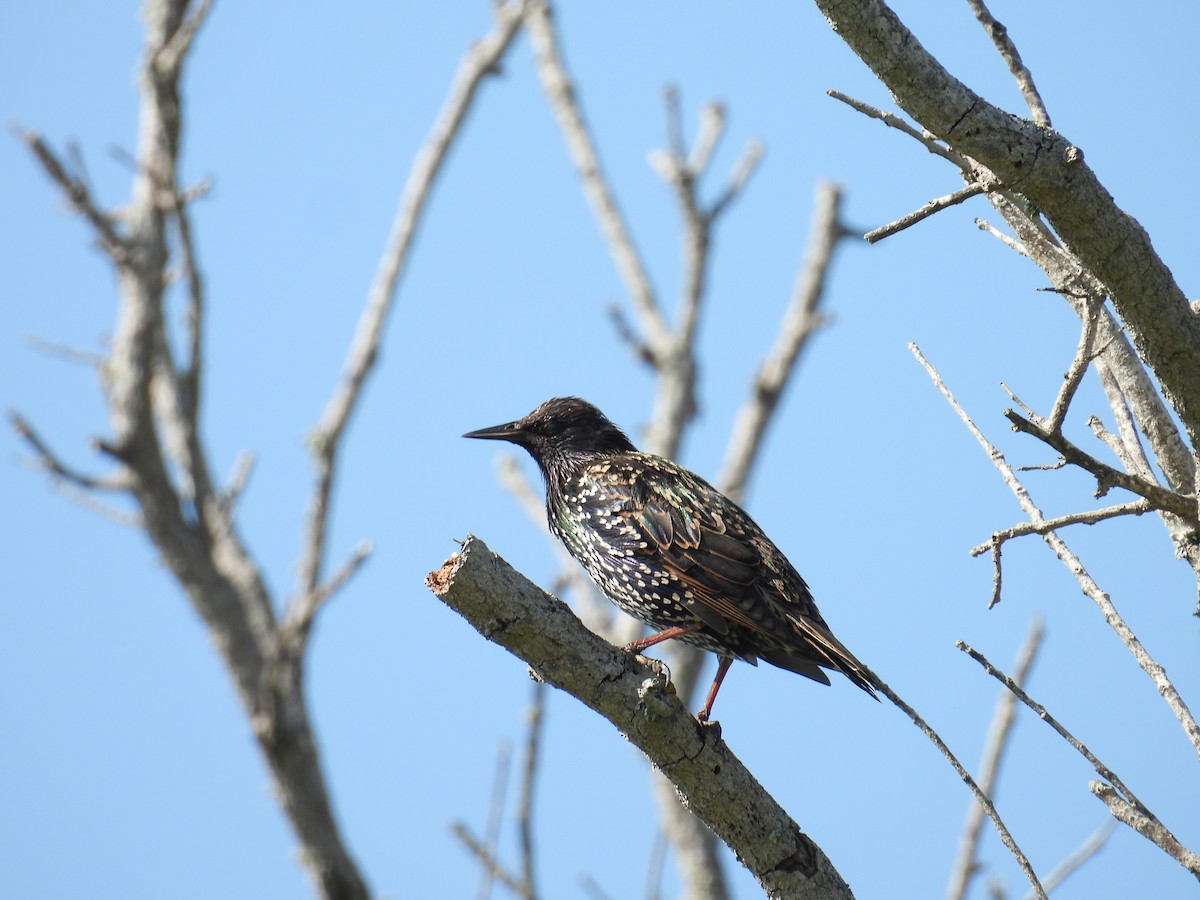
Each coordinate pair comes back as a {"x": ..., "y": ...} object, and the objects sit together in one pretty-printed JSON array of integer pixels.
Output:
[
  {"x": 706, "y": 543},
  {"x": 730, "y": 574}
]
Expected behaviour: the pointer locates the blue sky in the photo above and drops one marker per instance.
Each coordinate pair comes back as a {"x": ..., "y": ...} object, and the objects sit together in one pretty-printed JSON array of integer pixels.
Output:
[{"x": 126, "y": 766}]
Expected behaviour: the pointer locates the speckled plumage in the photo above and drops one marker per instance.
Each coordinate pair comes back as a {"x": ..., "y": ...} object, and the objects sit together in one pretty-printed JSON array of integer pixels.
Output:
[{"x": 669, "y": 549}]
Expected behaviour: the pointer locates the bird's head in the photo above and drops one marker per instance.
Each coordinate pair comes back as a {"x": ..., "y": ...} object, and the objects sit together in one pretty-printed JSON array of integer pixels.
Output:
[{"x": 560, "y": 433}]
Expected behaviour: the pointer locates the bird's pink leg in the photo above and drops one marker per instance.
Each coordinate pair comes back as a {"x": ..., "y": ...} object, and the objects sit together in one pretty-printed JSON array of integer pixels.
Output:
[
  {"x": 722, "y": 667},
  {"x": 658, "y": 637}
]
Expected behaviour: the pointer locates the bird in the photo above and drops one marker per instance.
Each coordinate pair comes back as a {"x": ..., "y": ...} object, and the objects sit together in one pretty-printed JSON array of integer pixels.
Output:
[{"x": 668, "y": 548}]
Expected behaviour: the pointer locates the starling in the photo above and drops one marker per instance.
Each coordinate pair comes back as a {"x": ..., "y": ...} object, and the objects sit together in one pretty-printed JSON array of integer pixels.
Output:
[{"x": 669, "y": 549}]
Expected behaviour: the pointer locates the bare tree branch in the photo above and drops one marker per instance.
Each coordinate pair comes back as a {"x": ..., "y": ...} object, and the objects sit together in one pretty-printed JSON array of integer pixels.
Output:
[
  {"x": 929, "y": 141},
  {"x": 1088, "y": 517},
  {"x": 1006, "y": 240},
  {"x": 1089, "y": 848},
  {"x": 1075, "y": 566},
  {"x": 1070, "y": 278},
  {"x": 1047, "y": 169},
  {"x": 675, "y": 400},
  {"x": 800, "y": 321},
  {"x": 154, "y": 418},
  {"x": 999, "y": 35},
  {"x": 1106, "y": 476},
  {"x": 933, "y": 206},
  {"x": 561, "y": 95},
  {"x": 533, "y": 740},
  {"x": 1120, "y": 800},
  {"x": 1124, "y": 378},
  {"x": 491, "y": 835},
  {"x": 487, "y": 859},
  {"x": 1145, "y": 825},
  {"x": 985, "y": 802},
  {"x": 52, "y": 463},
  {"x": 1127, "y": 448},
  {"x": 966, "y": 865},
  {"x": 1084, "y": 354},
  {"x": 507, "y": 609},
  {"x": 75, "y": 187},
  {"x": 480, "y": 60},
  {"x": 668, "y": 350}
]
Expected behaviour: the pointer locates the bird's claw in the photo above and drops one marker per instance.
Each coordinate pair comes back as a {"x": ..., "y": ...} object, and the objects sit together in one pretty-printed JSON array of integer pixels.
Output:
[
  {"x": 708, "y": 727},
  {"x": 657, "y": 666}
]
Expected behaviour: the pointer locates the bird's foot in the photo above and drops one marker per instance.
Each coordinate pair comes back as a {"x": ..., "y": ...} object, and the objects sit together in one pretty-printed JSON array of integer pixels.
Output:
[
  {"x": 708, "y": 727},
  {"x": 657, "y": 666}
]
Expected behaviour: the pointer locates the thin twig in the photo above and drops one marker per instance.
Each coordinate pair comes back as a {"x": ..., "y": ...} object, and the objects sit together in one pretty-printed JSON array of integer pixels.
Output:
[
  {"x": 592, "y": 888},
  {"x": 655, "y": 865},
  {"x": 746, "y": 165},
  {"x": 65, "y": 352},
  {"x": 1088, "y": 517},
  {"x": 997, "y": 576},
  {"x": 1089, "y": 848},
  {"x": 1121, "y": 801},
  {"x": 800, "y": 321},
  {"x": 76, "y": 189},
  {"x": 562, "y": 97},
  {"x": 1040, "y": 711},
  {"x": 1025, "y": 408},
  {"x": 486, "y": 858},
  {"x": 1145, "y": 661},
  {"x": 928, "y": 141},
  {"x": 984, "y": 801},
  {"x": 1128, "y": 448},
  {"x": 52, "y": 463},
  {"x": 243, "y": 465},
  {"x": 967, "y": 865},
  {"x": 708, "y": 136},
  {"x": 1084, "y": 354},
  {"x": 1106, "y": 476},
  {"x": 1008, "y": 51},
  {"x": 302, "y": 610},
  {"x": 533, "y": 737},
  {"x": 491, "y": 834},
  {"x": 933, "y": 206},
  {"x": 1009, "y": 242},
  {"x": 481, "y": 59},
  {"x": 641, "y": 350}
]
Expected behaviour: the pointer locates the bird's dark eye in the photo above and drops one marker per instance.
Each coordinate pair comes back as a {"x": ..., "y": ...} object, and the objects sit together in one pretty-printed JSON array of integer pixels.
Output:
[{"x": 551, "y": 427}]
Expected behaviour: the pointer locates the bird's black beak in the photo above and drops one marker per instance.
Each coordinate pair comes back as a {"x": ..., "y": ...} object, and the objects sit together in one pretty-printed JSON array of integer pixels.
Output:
[{"x": 510, "y": 431}]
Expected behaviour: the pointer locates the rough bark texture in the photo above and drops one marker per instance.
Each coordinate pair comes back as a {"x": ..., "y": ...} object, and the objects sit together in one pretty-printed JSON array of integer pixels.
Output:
[
  {"x": 508, "y": 609},
  {"x": 1050, "y": 171}
]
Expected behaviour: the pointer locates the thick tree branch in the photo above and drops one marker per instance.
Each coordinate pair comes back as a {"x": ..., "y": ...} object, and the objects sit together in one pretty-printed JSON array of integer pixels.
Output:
[
  {"x": 153, "y": 410},
  {"x": 1050, "y": 171},
  {"x": 507, "y": 609}
]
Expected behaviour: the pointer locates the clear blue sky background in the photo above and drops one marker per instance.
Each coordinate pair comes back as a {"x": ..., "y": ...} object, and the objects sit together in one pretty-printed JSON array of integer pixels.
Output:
[{"x": 126, "y": 766}]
